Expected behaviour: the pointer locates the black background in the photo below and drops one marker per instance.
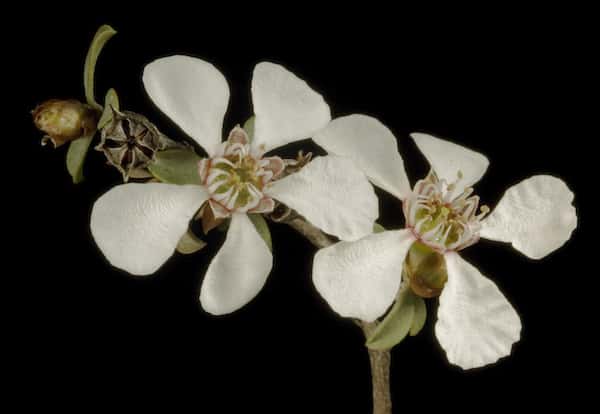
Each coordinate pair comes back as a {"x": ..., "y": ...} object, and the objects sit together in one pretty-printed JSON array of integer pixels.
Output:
[{"x": 510, "y": 84}]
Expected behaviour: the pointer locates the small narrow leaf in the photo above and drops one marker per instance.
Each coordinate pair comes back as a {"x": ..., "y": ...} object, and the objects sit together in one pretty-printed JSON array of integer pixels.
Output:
[
  {"x": 176, "y": 166},
  {"x": 190, "y": 243},
  {"x": 397, "y": 323},
  {"x": 262, "y": 228},
  {"x": 378, "y": 228},
  {"x": 420, "y": 316},
  {"x": 249, "y": 127},
  {"x": 111, "y": 101},
  {"x": 102, "y": 36},
  {"x": 76, "y": 156}
]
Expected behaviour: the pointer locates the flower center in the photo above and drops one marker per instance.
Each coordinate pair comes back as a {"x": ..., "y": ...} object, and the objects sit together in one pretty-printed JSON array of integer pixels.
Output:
[
  {"x": 236, "y": 176},
  {"x": 439, "y": 218}
]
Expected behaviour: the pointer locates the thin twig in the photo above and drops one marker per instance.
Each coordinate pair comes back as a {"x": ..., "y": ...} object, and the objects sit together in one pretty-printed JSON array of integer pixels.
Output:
[{"x": 379, "y": 360}]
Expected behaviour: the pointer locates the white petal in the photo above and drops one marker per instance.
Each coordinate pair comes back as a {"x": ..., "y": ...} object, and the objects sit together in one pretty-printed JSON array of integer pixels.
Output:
[
  {"x": 138, "y": 226},
  {"x": 193, "y": 93},
  {"x": 331, "y": 193},
  {"x": 372, "y": 146},
  {"x": 360, "y": 279},
  {"x": 536, "y": 216},
  {"x": 239, "y": 271},
  {"x": 476, "y": 324},
  {"x": 286, "y": 108},
  {"x": 447, "y": 159}
]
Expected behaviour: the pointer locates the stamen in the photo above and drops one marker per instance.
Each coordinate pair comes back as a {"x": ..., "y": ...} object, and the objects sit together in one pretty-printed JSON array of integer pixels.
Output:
[
  {"x": 439, "y": 218},
  {"x": 429, "y": 234},
  {"x": 421, "y": 222},
  {"x": 484, "y": 210},
  {"x": 446, "y": 234},
  {"x": 236, "y": 178}
]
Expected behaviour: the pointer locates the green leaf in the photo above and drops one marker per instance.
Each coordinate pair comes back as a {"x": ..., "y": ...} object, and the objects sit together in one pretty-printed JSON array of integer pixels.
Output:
[
  {"x": 76, "y": 156},
  {"x": 102, "y": 36},
  {"x": 111, "y": 101},
  {"x": 397, "y": 323},
  {"x": 249, "y": 127},
  {"x": 176, "y": 166},
  {"x": 190, "y": 243},
  {"x": 262, "y": 228},
  {"x": 420, "y": 316},
  {"x": 378, "y": 228}
]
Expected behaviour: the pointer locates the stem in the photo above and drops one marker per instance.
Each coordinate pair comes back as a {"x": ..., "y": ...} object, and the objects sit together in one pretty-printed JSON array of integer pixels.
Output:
[
  {"x": 380, "y": 375},
  {"x": 380, "y": 360},
  {"x": 312, "y": 233}
]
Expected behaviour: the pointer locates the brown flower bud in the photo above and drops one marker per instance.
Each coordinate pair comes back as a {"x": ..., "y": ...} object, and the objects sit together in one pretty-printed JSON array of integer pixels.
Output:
[
  {"x": 129, "y": 142},
  {"x": 426, "y": 270},
  {"x": 64, "y": 120}
]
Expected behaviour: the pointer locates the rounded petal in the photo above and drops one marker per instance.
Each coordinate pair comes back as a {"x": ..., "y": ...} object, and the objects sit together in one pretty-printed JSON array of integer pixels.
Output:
[
  {"x": 331, "y": 193},
  {"x": 138, "y": 226},
  {"x": 286, "y": 108},
  {"x": 372, "y": 146},
  {"x": 447, "y": 159},
  {"x": 238, "y": 271},
  {"x": 476, "y": 324},
  {"x": 193, "y": 93},
  {"x": 536, "y": 216},
  {"x": 360, "y": 279}
]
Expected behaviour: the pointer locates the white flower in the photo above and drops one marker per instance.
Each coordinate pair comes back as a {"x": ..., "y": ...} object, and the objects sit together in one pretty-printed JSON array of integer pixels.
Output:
[
  {"x": 138, "y": 226},
  {"x": 476, "y": 324}
]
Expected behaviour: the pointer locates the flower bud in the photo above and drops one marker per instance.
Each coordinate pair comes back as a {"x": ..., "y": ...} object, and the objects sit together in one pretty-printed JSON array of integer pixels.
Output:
[
  {"x": 64, "y": 120},
  {"x": 426, "y": 270}
]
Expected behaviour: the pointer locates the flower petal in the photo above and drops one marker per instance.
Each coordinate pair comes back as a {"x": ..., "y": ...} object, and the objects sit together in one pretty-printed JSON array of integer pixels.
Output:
[
  {"x": 238, "y": 271},
  {"x": 332, "y": 194},
  {"x": 360, "y": 279},
  {"x": 286, "y": 108},
  {"x": 476, "y": 324},
  {"x": 536, "y": 216},
  {"x": 447, "y": 159},
  {"x": 138, "y": 226},
  {"x": 193, "y": 93},
  {"x": 372, "y": 146}
]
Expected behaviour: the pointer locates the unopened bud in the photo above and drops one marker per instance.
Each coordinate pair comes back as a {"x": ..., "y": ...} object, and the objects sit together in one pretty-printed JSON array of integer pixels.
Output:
[
  {"x": 426, "y": 270},
  {"x": 64, "y": 120}
]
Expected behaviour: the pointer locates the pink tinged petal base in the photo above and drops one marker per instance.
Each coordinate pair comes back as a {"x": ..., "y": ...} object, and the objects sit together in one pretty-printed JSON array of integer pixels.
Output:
[
  {"x": 238, "y": 271},
  {"x": 372, "y": 146},
  {"x": 193, "y": 93},
  {"x": 476, "y": 324},
  {"x": 447, "y": 159},
  {"x": 286, "y": 108},
  {"x": 332, "y": 194},
  {"x": 138, "y": 226},
  {"x": 218, "y": 210},
  {"x": 360, "y": 279},
  {"x": 536, "y": 216},
  {"x": 266, "y": 205},
  {"x": 272, "y": 168}
]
